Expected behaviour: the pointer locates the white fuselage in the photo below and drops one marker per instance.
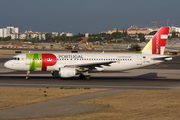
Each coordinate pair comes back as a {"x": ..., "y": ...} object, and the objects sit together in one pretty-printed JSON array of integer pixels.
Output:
[{"x": 122, "y": 61}]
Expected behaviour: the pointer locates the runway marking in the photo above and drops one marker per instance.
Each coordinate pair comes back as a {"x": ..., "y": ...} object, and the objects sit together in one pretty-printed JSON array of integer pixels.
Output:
[{"x": 93, "y": 86}]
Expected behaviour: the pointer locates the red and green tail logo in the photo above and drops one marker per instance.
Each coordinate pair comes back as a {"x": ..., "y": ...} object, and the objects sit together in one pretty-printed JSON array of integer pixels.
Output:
[{"x": 157, "y": 44}]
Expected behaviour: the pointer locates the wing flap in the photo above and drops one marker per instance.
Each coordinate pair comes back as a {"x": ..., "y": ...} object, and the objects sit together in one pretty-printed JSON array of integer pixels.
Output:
[{"x": 162, "y": 58}]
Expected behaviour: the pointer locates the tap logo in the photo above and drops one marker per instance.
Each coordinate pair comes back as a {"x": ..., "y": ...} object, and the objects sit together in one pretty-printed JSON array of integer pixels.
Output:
[
  {"x": 157, "y": 43},
  {"x": 41, "y": 60}
]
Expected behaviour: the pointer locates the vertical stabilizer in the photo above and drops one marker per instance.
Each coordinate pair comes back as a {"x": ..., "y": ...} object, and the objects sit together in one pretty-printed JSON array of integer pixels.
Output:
[{"x": 157, "y": 44}]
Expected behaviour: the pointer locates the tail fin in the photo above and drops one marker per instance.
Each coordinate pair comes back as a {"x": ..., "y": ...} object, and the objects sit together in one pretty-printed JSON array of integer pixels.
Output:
[{"x": 157, "y": 44}]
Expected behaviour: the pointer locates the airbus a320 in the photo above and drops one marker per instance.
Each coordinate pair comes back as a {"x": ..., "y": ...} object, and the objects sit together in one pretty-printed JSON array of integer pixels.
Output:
[{"x": 71, "y": 64}]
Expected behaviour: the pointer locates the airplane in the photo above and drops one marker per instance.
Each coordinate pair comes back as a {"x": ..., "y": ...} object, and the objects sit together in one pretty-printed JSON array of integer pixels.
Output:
[{"x": 67, "y": 65}]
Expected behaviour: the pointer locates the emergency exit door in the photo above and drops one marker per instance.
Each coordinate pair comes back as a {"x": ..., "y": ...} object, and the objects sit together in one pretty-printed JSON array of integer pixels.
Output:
[{"x": 139, "y": 59}]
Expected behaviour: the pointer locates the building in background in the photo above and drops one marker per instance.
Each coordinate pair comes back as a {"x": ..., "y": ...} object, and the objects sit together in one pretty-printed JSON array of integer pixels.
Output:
[
  {"x": 54, "y": 34},
  {"x": 86, "y": 35},
  {"x": 67, "y": 34},
  {"x": 174, "y": 29},
  {"x": 6, "y": 32},
  {"x": 134, "y": 30},
  {"x": 28, "y": 35},
  {"x": 110, "y": 31}
]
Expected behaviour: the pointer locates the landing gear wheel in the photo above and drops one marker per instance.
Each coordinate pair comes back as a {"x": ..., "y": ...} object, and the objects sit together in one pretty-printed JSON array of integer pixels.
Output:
[
  {"x": 27, "y": 77},
  {"x": 87, "y": 77},
  {"x": 81, "y": 76}
]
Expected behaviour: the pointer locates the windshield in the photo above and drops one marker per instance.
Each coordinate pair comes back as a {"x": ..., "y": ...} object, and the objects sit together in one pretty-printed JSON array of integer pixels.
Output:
[{"x": 15, "y": 58}]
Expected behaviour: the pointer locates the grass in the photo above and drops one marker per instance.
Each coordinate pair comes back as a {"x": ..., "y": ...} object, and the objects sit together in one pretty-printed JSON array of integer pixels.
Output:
[
  {"x": 17, "y": 96},
  {"x": 136, "y": 105}
]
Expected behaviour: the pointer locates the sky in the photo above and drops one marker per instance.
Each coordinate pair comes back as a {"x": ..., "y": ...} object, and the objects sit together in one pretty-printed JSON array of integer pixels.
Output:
[{"x": 86, "y": 16}]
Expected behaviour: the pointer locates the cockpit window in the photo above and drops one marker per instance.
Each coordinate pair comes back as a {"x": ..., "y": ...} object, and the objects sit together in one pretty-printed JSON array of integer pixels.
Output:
[{"x": 15, "y": 58}]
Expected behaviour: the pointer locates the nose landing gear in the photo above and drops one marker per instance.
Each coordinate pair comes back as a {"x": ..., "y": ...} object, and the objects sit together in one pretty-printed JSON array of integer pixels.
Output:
[{"x": 27, "y": 76}]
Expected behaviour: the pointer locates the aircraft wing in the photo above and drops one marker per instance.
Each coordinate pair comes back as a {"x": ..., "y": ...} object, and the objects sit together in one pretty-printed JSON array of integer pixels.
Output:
[
  {"x": 163, "y": 58},
  {"x": 173, "y": 48},
  {"x": 91, "y": 65}
]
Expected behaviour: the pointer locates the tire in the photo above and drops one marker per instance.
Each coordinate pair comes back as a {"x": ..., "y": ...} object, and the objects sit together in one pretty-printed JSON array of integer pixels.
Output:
[
  {"x": 81, "y": 76},
  {"x": 87, "y": 77}
]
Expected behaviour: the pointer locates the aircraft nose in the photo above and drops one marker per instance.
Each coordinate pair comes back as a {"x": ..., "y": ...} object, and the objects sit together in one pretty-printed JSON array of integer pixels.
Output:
[{"x": 6, "y": 64}]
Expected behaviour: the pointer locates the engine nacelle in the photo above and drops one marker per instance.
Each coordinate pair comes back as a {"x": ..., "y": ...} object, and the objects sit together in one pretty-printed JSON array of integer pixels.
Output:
[
  {"x": 64, "y": 72},
  {"x": 67, "y": 72}
]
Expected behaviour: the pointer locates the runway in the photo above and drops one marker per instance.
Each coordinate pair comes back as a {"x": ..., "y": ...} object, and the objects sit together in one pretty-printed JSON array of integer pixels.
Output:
[{"x": 162, "y": 76}]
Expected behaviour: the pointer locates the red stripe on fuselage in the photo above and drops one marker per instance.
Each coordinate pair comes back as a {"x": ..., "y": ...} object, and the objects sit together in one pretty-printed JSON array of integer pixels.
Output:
[{"x": 48, "y": 60}]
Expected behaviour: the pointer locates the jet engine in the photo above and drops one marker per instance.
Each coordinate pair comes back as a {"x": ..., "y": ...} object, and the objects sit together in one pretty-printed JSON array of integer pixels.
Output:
[{"x": 64, "y": 72}]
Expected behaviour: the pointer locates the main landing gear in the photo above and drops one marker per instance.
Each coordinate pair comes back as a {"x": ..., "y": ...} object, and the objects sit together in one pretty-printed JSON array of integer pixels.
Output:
[
  {"x": 27, "y": 76},
  {"x": 82, "y": 76}
]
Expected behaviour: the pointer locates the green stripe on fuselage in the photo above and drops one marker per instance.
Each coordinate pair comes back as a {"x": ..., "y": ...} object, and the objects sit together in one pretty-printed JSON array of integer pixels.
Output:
[{"x": 35, "y": 61}]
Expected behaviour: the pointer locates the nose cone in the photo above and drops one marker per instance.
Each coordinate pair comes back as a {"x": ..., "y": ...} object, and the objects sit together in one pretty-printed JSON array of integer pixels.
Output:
[{"x": 7, "y": 64}]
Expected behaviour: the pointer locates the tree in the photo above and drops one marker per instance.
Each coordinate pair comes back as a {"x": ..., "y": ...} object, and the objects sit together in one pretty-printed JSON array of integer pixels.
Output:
[
  {"x": 7, "y": 38},
  {"x": 141, "y": 37},
  {"x": 125, "y": 33},
  {"x": 108, "y": 37},
  {"x": 48, "y": 37},
  {"x": 116, "y": 35}
]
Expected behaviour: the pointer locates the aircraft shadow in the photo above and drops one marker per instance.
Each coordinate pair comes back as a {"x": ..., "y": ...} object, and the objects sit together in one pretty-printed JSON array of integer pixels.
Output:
[{"x": 148, "y": 76}]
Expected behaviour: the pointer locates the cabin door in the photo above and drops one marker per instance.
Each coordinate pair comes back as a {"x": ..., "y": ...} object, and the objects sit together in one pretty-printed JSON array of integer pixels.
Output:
[{"x": 139, "y": 59}]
